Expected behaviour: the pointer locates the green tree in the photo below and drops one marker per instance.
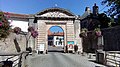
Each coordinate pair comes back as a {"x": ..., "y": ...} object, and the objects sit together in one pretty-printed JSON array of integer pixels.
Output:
[
  {"x": 104, "y": 20},
  {"x": 114, "y": 5},
  {"x": 99, "y": 21}
]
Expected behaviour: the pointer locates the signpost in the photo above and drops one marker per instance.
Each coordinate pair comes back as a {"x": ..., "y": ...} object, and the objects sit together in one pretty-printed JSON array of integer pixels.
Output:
[
  {"x": 70, "y": 46},
  {"x": 41, "y": 48}
]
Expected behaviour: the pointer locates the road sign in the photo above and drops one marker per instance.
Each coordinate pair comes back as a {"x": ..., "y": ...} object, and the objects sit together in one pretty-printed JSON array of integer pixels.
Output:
[
  {"x": 41, "y": 47},
  {"x": 70, "y": 45}
]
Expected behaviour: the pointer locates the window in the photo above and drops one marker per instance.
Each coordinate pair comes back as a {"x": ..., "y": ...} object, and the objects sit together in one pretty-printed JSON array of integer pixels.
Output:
[
  {"x": 56, "y": 42},
  {"x": 57, "y": 38}
]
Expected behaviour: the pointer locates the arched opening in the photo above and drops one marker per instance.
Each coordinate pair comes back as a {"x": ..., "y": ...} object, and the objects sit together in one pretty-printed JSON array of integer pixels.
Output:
[{"x": 55, "y": 39}]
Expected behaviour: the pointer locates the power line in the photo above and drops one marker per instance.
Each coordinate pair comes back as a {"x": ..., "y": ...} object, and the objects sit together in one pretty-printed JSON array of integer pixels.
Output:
[{"x": 103, "y": 8}]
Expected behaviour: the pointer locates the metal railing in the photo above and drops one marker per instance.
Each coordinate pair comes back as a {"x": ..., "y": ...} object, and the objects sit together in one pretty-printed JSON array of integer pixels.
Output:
[
  {"x": 112, "y": 59},
  {"x": 16, "y": 58}
]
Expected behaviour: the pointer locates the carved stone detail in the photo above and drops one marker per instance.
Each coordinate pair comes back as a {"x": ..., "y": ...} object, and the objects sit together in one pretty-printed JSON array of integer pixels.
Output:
[{"x": 55, "y": 14}]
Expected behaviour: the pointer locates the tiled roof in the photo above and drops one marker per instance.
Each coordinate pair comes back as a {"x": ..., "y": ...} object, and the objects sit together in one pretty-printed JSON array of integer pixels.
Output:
[
  {"x": 49, "y": 32},
  {"x": 16, "y": 15},
  {"x": 85, "y": 14},
  {"x": 55, "y": 33}
]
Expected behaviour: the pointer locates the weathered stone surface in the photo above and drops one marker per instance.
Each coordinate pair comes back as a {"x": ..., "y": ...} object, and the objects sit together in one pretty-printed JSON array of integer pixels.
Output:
[
  {"x": 57, "y": 17},
  {"x": 9, "y": 46}
]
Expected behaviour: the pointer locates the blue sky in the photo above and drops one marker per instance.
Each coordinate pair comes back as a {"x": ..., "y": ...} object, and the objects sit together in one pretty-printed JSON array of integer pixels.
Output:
[
  {"x": 56, "y": 29},
  {"x": 33, "y": 6}
]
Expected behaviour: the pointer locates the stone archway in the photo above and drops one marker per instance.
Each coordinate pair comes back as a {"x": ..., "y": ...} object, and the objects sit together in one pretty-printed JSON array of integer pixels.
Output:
[
  {"x": 62, "y": 25},
  {"x": 56, "y": 36},
  {"x": 56, "y": 17}
]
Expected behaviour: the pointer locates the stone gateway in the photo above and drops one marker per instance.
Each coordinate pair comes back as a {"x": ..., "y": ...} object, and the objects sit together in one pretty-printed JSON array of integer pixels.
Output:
[{"x": 44, "y": 20}]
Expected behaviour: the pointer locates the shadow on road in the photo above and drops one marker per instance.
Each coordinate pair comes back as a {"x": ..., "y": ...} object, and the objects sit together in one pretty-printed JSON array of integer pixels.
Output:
[
  {"x": 58, "y": 51},
  {"x": 99, "y": 63},
  {"x": 55, "y": 49}
]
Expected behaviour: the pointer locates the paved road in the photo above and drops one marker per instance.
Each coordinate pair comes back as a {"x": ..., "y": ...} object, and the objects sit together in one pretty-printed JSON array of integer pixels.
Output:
[
  {"x": 54, "y": 59},
  {"x": 55, "y": 49}
]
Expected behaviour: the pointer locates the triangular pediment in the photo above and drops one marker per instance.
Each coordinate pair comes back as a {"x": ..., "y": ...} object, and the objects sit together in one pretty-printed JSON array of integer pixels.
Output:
[{"x": 55, "y": 12}]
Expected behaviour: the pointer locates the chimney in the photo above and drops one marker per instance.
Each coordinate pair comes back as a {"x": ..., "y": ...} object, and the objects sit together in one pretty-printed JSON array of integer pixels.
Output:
[
  {"x": 95, "y": 10},
  {"x": 87, "y": 9}
]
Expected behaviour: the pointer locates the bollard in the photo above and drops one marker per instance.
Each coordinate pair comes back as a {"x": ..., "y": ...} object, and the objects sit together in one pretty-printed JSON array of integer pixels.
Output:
[
  {"x": 46, "y": 52},
  {"x": 7, "y": 63}
]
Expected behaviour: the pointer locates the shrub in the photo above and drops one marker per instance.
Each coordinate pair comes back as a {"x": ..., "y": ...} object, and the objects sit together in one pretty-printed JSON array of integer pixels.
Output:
[
  {"x": 98, "y": 32},
  {"x": 17, "y": 30},
  {"x": 30, "y": 29},
  {"x": 83, "y": 32},
  {"x": 4, "y": 26}
]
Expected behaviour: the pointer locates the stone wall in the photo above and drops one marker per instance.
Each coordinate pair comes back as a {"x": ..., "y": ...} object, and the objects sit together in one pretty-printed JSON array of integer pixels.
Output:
[
  {"x": 111, "y": 37},
  {"x": 9, "y": 46}
]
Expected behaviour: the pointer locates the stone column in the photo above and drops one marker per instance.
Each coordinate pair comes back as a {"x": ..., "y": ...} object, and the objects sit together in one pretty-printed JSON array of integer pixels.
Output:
[{"x": 77, "y": 32}]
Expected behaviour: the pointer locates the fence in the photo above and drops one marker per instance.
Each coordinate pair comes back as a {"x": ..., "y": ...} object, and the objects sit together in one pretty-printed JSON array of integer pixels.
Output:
[
  {"x": 112, "y": 59},
  {"x": 13, "y": 60}
]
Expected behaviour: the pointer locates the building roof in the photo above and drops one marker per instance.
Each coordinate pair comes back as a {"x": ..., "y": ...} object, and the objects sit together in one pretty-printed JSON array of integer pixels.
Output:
[
  {"x": 87, "y": 13},
  {"x": 15, "y": 15},
  {"x": 55, "y": 33},
  {"x": 49, "y": 32},
  {"x": 56, "y": 9}
]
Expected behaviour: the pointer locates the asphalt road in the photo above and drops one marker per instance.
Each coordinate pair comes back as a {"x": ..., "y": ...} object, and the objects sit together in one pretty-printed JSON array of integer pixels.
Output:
[{"x": 55, "y": 59}]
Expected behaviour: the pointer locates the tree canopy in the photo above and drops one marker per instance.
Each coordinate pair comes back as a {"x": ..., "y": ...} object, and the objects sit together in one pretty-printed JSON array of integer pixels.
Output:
[
  {"x": 114, "y": 5},
  {"x": 99, "y": 21}
]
